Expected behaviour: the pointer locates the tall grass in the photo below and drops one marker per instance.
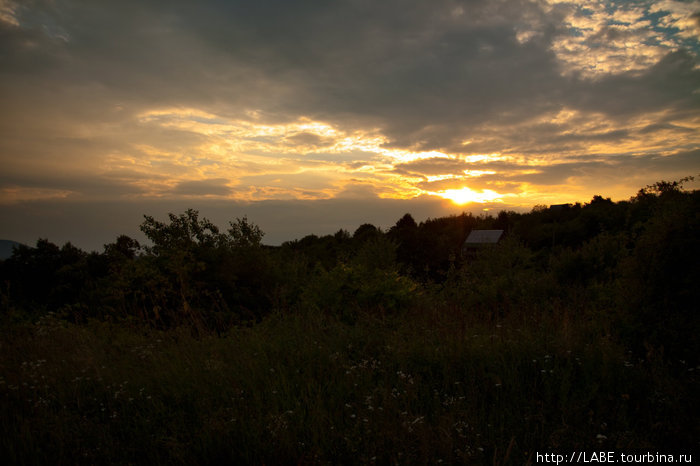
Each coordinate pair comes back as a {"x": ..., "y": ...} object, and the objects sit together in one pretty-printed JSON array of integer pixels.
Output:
[{"x": 428, "y": 386}]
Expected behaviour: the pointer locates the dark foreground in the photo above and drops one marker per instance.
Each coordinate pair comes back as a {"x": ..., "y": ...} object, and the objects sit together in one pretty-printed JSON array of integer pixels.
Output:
[{"x": 578, "y": 332}]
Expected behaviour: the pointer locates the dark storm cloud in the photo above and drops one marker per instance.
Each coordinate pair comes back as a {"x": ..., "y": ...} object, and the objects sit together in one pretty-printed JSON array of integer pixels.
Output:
[
  {"x": 675, "y": 166},
  {"x": 425, "y": 72},
  {"x": 432, "y": 166},
  {"x": 672, "y": 84},
  {"x": 653, "y": 128},
  {"x": 77, "y": 185},
  {"x": 425, "y": 67}
]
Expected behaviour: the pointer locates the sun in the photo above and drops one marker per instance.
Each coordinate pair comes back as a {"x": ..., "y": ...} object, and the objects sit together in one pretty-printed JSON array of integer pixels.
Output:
[{"x": 465, "y": 195}]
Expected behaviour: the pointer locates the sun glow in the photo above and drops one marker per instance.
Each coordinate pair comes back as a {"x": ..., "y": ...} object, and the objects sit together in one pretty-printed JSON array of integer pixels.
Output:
[{"x": 466, "y": 195}]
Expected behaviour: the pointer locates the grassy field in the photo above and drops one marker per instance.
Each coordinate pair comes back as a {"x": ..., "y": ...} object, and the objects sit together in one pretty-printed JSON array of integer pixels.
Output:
[{"x": 426, "y": 387}]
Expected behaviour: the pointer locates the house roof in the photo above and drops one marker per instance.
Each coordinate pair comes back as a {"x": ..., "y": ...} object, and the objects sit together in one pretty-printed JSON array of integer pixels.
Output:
[
  {"x": 477, "y": 237},
  {"x": 559, "y": 207}
]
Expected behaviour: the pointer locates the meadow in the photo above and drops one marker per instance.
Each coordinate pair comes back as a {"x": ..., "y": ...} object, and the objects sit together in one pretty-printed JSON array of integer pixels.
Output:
[{"x": 427, "y": 388}]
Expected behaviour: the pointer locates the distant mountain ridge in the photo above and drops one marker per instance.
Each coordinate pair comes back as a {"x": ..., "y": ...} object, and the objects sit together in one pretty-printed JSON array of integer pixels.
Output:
[{"x": 6, "y": 247}]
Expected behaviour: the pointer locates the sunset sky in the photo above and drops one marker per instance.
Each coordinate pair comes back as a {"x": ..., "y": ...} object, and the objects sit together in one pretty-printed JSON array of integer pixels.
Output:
[{"x": 311, "y": 116}]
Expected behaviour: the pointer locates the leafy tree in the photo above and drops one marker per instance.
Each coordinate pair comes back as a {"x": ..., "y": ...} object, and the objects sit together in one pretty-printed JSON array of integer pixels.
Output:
[
  {"x": 368, "y": 282},
  {"x": 405, "y": 223},
  {"x": 123, "y": 248},
  {"x": 204, "y": 277},
  {"x": 502, "y": 277},
  {"x": 405, "y": 235},
  {"x": 245, "y": 234},
  {"x": 45, "y": 276},
  {"x": 182, "y": 233},
  {"x": 658, "y": 281},
  {"x": 664, "y": 187},
  {"x": 366, "y": 232}
]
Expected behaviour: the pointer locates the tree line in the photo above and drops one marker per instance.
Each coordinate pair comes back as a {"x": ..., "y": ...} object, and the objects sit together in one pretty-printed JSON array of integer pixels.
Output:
[{"x": 633, "y": 264}]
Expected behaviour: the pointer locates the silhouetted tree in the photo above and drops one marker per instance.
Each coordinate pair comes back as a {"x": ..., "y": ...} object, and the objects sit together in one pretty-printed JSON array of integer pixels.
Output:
[
  {"x": 245, "y": 234},
  {"x": 365, "y": 232}
]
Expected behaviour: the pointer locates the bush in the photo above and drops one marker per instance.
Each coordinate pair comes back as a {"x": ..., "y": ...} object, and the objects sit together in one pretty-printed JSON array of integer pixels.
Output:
[{"x": 369, "y": 282}]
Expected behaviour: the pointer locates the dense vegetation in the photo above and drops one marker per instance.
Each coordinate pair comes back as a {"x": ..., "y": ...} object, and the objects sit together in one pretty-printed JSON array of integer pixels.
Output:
[{"x": 577, "y": 331}]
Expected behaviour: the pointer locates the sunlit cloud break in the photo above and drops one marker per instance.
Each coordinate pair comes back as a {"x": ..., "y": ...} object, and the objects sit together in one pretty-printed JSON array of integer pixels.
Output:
[
  {"x": 464, "y": 104},
  {"x": 250, "y": 147},
  {"x": 466, "y": 196}
]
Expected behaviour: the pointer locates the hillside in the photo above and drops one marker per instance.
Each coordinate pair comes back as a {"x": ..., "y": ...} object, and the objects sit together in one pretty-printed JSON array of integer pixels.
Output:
[{"x": 6, "y": 248}]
